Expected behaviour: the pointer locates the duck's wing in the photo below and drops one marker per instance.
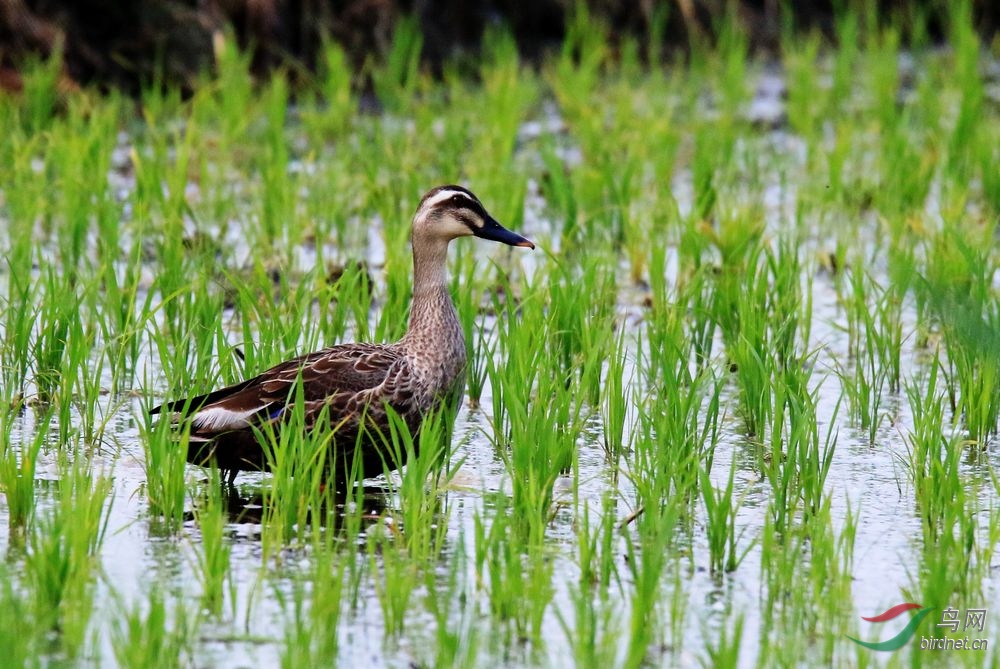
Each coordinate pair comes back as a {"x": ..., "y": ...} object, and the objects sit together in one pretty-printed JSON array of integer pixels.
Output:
[{"x": 331, "y": 376}]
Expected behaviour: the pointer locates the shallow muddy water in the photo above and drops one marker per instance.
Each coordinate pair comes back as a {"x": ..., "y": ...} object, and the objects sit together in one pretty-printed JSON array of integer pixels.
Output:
[
  {"x": 869, "y": 479},
  {"x": 869, "y": 482}
]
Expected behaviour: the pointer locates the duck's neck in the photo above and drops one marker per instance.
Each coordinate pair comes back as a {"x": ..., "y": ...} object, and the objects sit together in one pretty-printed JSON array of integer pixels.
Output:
[{"x": 433, "y": 319}]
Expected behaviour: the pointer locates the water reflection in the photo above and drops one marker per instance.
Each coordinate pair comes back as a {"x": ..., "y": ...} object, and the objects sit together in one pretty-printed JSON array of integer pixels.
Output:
[{"x": 250, "y": 505}]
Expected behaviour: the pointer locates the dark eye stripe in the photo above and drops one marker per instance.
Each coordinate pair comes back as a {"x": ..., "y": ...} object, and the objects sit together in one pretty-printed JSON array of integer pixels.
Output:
[{"x": 465, "y": 202}]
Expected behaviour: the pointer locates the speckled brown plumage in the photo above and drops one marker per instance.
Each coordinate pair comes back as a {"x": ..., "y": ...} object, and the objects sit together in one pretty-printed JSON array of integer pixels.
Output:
[{"x": 352, "y": 384}]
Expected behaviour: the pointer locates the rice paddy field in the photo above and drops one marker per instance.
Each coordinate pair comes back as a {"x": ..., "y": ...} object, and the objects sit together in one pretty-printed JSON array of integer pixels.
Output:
[{"x": 744, "y": 393}]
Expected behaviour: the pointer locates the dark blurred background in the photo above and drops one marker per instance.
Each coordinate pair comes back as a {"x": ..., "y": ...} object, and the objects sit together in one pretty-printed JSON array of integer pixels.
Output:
[{"x": 126, "y": 43}]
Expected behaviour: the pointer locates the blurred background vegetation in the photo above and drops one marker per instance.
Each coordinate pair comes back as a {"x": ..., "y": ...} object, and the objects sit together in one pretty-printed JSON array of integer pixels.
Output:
[{"x": 124, "y": 44}]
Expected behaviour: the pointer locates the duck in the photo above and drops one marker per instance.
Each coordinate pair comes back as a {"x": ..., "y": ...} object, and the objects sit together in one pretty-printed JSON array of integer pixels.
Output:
[{"x": 353, "y": 386}]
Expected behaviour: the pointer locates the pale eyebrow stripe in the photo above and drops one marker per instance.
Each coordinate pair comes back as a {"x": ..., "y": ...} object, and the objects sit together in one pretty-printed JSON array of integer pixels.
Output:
[{"x": 442, "y": 196}]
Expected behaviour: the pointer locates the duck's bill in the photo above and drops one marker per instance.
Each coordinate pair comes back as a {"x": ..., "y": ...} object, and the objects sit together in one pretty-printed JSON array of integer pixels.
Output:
[{"x": 497, "y": 233}]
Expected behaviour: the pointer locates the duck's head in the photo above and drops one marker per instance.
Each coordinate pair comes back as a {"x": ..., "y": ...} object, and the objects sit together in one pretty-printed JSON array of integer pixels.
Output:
[{"x": 448, "y": 212}]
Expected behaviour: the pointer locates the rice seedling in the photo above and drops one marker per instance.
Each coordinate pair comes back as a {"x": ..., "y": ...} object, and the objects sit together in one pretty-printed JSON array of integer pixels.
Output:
[
  {"x": 725, "y": 652},
  {"x": 330, "y": 111},
  {"x": 576, "y": 72},
  {"x": 506, "y": 98},
  {"x": 952, "y": 567},
  {"x": 746, "y": 312},
  {"x": 590, "y": 625},
  {"x": 800, "y": 57},
  {"x": 396, "y": 581},
  {"x": 829, "y": 577},
  {"x": 397, "y": 79},
  {"x": 61, "y": 552},
  {"x": 54, "y": 320},
  {"x": 875, "y": 335},
  {"x": 424, "y": 522},
  {"x": 676, "y": 323},
  {"x": 733, "y": 68},
  {"x": 536, "y": 438},
  {"x": 615, "y": 402},
  {"x": 516, "y": 576},
  {"x": 967, "y": 309},
  {"x": 311, "y": 637},
  {"x": 166, "y": 484},
  {"x": 17, "y": 474},
  {"x": 581, "y": 323},
  {"x": 965, "y": 41},
  {"x": 232, "y": 85},
  {"x": 678, "y": 430},
  {"x": 19, "y": 315},
  {"x": 213, "y": 553},
  {"x": 20, "y": 641},
  {"x": 298, "y": 460},
  {"x": 40, "y": 89},
  {"x": 647, "y": 562},
  {"x": 457, "y": 636},
  {"x": 721, "y": 509},
  {"x": 797, "y": 463},
  {"x": 351, "y": 529},
  {"x": 478, "y": 344},
  {"x": 149, "y": 634},
  {"x": 121, "y": 330}
]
